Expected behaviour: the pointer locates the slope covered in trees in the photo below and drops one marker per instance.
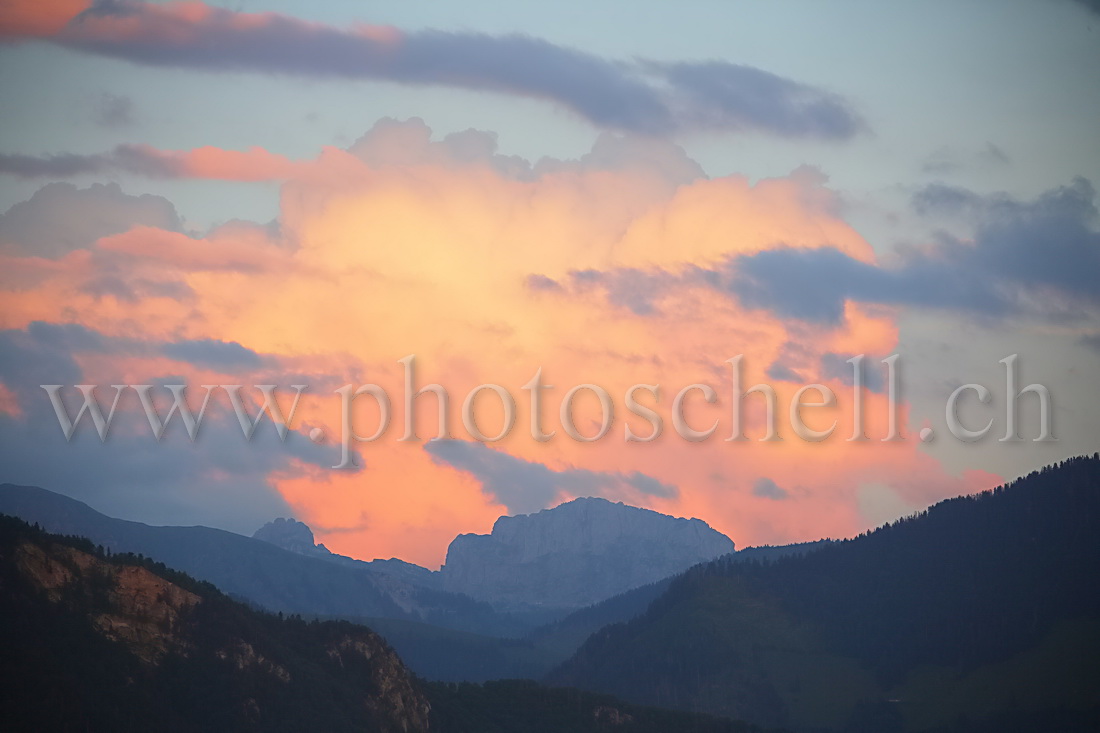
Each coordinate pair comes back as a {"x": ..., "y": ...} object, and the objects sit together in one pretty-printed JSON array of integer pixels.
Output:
[
  {"x": 115, "y": 643},
  {"x": 979, "y": 608}
]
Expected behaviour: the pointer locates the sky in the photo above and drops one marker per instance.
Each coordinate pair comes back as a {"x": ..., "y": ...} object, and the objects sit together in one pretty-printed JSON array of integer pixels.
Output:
[{"x": 612, "y": 195}]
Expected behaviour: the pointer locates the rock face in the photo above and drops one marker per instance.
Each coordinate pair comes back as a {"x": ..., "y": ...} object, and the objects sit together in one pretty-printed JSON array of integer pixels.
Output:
[
  {"x": 576, "y": 554},
  {"x": 292, "y": 535},
  {"x": 133, "y": 646}
]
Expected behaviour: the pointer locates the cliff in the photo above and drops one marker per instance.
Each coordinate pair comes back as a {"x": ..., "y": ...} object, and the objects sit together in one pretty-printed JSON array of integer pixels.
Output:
[
  {"x": 92, "y": 642},
  {"x": 576, "y": 554}
]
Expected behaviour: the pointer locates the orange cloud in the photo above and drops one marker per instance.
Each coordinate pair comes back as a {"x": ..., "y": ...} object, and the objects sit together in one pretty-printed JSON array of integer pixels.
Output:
[
  {"x": 433, "y": 255},
  {"x": 37, "y": 18}
]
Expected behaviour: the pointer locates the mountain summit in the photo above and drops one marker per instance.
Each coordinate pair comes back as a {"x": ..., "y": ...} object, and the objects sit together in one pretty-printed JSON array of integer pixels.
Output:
[
  {"x": 576, "y": 554},
  {"x": 292, "y": 535}
]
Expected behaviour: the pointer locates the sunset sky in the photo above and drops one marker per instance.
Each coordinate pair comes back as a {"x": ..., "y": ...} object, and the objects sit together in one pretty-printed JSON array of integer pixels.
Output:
[{"x": 616, "y": 193}]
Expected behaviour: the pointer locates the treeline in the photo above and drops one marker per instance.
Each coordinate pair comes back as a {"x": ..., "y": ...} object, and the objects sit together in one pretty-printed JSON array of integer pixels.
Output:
[{"x": 979, "y": 606}]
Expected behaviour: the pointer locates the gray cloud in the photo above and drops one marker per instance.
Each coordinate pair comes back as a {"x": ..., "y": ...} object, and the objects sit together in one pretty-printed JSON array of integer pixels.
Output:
[
  {"x": 525, "y": 487},
  {"x": 768, "y": 489},
  {"x": 219, "y": 480},
  {"x": 795, "y": 363},
  {"x": 60, "y": 217},
  {"x": 1037, "y": 258},
  {"x": 113, "y": 110},
  {"x": 224, "y": 355},
  {"x": 636, "y": 290},
  {"x": 723, "y": 96},
  {"x": 948, "y": 160},
  {"x": 646, "y": 97},
  {"x": 1092, "y": 341},
  {"x": 542, "y": 283},
  {"x": 132, "y": 290},
  {"x": 138, "y": 159},
  {"x": 836, "y": 366},
  {"x": 228, "y": 357}
]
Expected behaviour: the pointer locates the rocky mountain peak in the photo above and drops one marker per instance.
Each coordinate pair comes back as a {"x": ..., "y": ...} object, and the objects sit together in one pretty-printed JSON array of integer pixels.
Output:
[
  {"x": 290, "y": 534},
  {"x": 577, "y": 553}
]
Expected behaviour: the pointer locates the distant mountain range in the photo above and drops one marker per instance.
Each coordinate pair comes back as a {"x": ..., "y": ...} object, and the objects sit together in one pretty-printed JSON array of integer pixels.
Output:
[
  {"x": 98, "y": 642},
  {"x": 261, "y": 573},
  {"x": 557, "y": 560},
  {"x": 585, "y": 549},
  {"x": 979, "y": 614}
]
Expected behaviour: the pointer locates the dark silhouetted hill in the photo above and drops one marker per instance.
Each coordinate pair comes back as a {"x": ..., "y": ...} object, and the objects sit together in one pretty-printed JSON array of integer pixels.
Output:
[
  {"x": 982, "y": 612},
  {"x": 95, "y": 642}
]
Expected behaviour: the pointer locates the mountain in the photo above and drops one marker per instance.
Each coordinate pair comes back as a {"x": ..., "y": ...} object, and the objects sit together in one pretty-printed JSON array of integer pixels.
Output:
[
  {"x": 981, "y": 613},
  {"x": 295, "y": 536},
  {"x": 437, "y": 653},
  {"x": 576, "y": 554},
  {"x": 441, "y": 635},
  {"x": 262, "y": 573},
  {"x": 100, "y": 642},
  {"x": 91, "y": 642},
  {"x": 559, "y": 639},
  {"x": 291, "y": 535}
]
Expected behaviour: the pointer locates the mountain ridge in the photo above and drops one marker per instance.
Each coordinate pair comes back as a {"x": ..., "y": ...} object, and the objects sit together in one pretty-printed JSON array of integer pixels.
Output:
[
  {"x": 983, "y": 609},
  {"x": 575, "y": 554},
  {"x": 94, "y": 641}
]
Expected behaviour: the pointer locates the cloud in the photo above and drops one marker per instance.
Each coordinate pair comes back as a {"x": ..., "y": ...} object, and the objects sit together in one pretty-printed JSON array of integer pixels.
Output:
[
  {"x": 836, "y": 366},
  {"x": 765, "y": 488},
  {"x": 389, "y": 143},
  {"x": 945, "y": 160},
  {"x": 59, "y": 218},
  {"x": 220, "y": 480},
  {"x": 1039, "y": 259},
  {"x": 487, "y": 269},
  {"x": 634, "y": 289},
  {"x": 221, "y": 355},
  {"x": 723, "y": 96},
  {"x": 641, "y": 96},
  {"x": 526, "y": 486},
  {"x": 255, "y": 164},
  {"x": 113, "y": 110}
]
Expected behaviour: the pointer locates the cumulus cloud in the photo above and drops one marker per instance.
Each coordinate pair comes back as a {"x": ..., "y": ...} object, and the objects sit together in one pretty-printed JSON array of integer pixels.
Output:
[
  {"x": 641, "y": 96},
  {"x": 60, "y": 217},
  {"x": 389, "y": 143},
  {"x": 487, "y": 269},
  {"x": 527, "y": 486}
]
